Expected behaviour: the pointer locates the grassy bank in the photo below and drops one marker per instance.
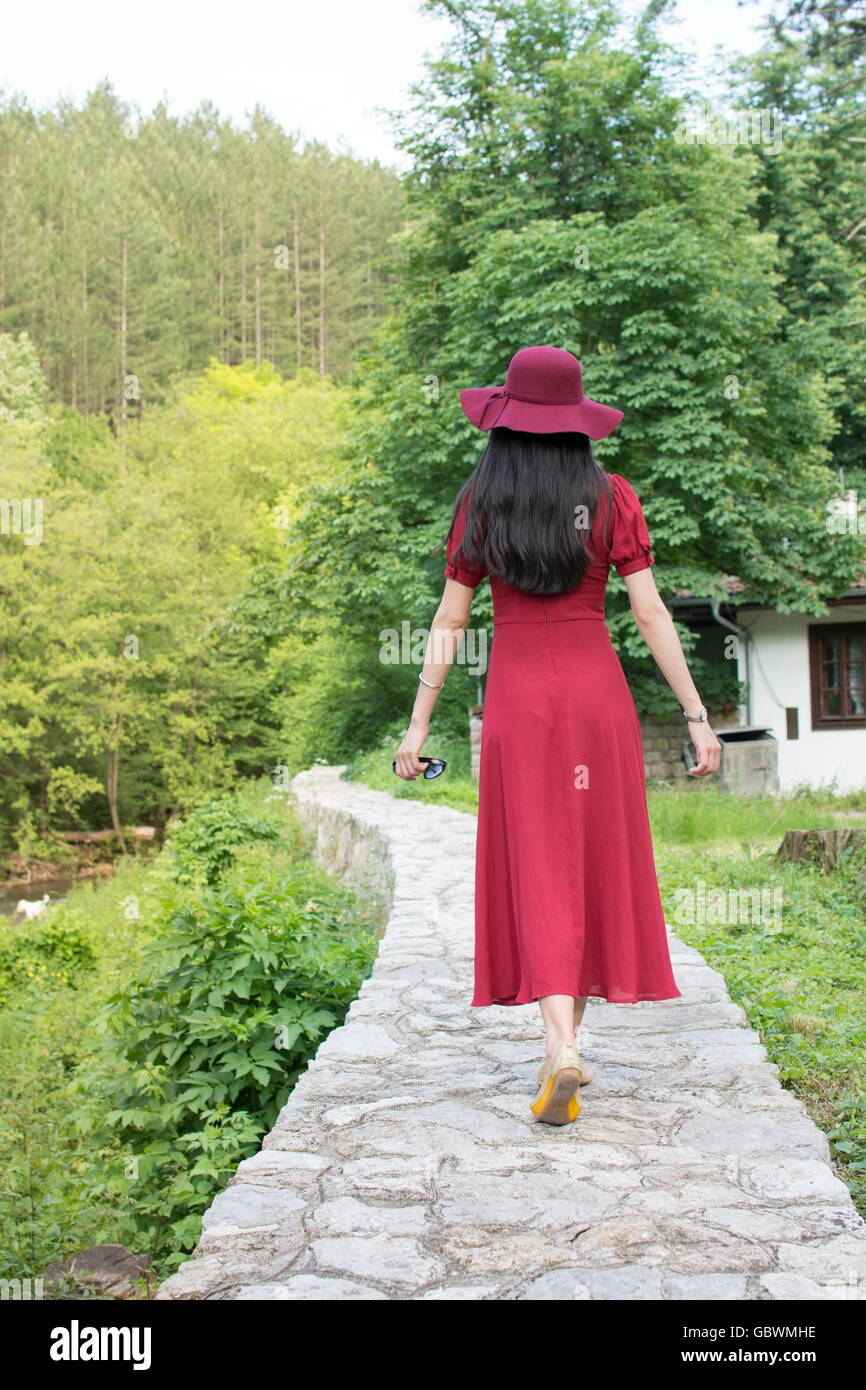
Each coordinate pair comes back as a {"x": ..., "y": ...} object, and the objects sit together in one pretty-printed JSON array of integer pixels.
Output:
[{"x": 790, "y": 942}]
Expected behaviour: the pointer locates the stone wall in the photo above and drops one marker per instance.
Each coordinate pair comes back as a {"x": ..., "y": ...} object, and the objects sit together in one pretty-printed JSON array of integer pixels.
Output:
[
  {"x": 662, "y": 745},
  {"x": 354, "y": 851}
]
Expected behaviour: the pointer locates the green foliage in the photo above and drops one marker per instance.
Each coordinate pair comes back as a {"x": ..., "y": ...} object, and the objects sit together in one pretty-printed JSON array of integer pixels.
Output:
[
  {"x": 124, "y": 651},
  {"x": 67, "y": 789},
  {"x": 22, "y": 384},
  {"x": 80, "y": 449},
  {"x": 234, "y": 991},
  {"x": 159, "y": 1043},
  {"x": 55, "y": 948},
  {"x": 810, "y": 196},
  {"x": 204, "y": 844}
]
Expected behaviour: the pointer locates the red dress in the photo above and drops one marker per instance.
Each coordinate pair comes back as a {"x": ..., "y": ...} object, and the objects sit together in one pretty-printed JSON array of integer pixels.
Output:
[{"x": 566, "y": 894}]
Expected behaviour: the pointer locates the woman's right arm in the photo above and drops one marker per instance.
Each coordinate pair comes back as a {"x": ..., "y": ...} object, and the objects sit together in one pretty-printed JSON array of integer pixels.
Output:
[{"x": 656, "y": 627}]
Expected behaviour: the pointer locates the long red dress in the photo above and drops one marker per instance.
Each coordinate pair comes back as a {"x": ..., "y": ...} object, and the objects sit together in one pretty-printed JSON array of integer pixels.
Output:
[{"x": 566, "y": 894}]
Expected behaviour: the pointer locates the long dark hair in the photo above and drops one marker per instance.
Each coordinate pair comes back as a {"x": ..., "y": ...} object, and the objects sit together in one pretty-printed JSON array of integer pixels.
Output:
[{"x": 522, "y": 523}]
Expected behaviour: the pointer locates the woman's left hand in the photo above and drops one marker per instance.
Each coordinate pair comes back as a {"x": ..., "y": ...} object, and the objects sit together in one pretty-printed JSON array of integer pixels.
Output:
[
  {"x": 708, "y": 749},
  {"x": 408, "y": 763}
]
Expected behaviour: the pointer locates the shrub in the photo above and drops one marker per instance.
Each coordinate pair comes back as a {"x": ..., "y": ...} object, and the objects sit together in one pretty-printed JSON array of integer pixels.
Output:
[
  {"x": 204, "y": 844},
  {"x": 53, "y": 949},
  {"x": 202, "y": 1050},
  {"x": 133, "y": 1096}
]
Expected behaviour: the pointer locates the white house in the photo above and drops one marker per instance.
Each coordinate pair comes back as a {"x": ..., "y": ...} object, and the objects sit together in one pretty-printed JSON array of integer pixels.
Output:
[{"x": 804, "y": 682}]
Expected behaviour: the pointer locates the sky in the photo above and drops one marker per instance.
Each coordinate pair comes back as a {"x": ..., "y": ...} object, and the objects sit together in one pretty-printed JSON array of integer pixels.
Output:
[{"x": 323, "y": 70}]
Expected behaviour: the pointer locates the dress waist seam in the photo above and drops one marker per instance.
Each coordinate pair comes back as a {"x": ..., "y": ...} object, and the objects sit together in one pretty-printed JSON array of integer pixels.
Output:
[{"x": 543, "y": 622}]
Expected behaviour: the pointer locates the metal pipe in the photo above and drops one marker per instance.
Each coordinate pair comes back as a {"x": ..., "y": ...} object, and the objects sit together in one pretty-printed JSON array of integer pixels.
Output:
[{"x": 740, "y": 632}]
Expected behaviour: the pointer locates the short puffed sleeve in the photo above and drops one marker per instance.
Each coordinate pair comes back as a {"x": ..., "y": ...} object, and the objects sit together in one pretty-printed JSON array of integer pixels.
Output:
[
  {"x": 463, "y": 573},
  {"x": 629, "y": 538}
]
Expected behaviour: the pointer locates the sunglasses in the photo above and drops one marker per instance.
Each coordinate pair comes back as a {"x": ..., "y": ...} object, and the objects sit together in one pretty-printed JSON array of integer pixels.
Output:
[{"x": 435, "y": 767}]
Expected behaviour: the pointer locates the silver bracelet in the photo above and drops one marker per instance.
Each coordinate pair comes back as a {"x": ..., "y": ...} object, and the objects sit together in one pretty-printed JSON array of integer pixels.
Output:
[
  {"x": 700, "y": 718},
  {"x": 431, "y": 685}
]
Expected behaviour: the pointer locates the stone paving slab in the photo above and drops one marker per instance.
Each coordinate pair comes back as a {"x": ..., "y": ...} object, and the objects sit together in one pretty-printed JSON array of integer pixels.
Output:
[{"x": 406, "y": 1163}]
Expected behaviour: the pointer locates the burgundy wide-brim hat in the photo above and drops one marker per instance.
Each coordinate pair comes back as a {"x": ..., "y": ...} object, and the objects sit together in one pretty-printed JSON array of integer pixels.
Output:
[{"x": 543, "y": 394}]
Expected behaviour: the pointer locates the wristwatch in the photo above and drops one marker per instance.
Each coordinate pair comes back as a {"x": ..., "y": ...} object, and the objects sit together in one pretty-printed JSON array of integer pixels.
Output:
[{"x": 697, "y": 718}]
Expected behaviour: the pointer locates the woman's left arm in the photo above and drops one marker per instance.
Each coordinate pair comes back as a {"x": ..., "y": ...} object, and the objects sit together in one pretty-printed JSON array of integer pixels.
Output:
[
  {"x": 449, "y": 622},
  {"x": 656, "y": 627}
]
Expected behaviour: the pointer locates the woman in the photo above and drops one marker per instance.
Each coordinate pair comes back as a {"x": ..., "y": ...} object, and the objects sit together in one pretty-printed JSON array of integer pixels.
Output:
[{"x": 567, "y": 903}]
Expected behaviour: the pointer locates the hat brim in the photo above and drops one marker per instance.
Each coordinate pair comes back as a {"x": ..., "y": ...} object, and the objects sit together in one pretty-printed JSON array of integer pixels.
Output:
[{"x": 584, "y": 417}]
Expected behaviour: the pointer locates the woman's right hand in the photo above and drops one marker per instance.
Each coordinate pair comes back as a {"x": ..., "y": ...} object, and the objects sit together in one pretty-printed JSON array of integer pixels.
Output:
[
  {"x": 409, "y": 766},
  {"x": 708, "y": 749}
]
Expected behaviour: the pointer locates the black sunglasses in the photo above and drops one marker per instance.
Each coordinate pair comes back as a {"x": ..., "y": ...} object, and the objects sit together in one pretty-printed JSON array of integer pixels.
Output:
[{"x": 435, "y": 766}]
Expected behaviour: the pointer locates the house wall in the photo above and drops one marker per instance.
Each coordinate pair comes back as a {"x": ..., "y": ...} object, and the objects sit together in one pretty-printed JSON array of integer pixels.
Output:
[{"x": 780, "y": 677}]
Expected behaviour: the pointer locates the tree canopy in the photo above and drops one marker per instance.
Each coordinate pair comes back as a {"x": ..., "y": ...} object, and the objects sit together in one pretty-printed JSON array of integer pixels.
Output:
[{"x": 551, "y": 201}]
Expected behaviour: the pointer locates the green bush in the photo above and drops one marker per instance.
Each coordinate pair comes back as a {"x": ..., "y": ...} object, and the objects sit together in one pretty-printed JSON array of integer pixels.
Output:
[
  {"x": 149, "y": 1050},
  {"x": 203, "y": 845},
  {"x": 54, "y": 948},
  {"x": 245, "y": 981},
  {"x": 202, "y": 1049}
]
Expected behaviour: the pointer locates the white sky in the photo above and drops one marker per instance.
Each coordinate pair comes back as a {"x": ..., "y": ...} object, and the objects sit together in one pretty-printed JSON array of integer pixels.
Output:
[{"x": 319, "y": 69}]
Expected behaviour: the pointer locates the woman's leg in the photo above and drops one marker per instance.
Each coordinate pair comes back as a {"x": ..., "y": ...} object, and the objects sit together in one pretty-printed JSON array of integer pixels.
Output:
[{"x": 562, "y": 1015}]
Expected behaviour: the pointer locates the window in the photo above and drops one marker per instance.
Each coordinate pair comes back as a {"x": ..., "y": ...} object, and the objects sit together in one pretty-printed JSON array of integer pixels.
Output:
[{"x": 836, "y": 664}]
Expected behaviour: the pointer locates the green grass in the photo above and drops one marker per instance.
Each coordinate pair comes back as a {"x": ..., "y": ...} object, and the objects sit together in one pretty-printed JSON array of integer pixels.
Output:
[
  {"x": 704, "y": 814},
  {"x": 698, "y": 814},
  {"x": 801, "y": 977},
  {"x": 454, "y": 787}
]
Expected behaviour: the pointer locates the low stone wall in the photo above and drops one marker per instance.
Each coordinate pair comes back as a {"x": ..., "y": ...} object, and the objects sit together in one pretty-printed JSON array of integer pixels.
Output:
[
  {"x": 406, "y": 1163},
  {"x": 352, "y": 850},
  {"x": 662, "y": 745}
]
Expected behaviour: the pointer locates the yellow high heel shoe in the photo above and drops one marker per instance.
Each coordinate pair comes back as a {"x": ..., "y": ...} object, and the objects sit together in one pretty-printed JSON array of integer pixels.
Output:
[{"x": 559, "y": 1082}]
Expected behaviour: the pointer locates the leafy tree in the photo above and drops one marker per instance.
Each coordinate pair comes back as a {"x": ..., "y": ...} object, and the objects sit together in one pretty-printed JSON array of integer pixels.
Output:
[
  {"x": 22, "y": 383},
  {"x": 811, "y": 184},
  {"x": 551, "y": 201},
  {"x": 128, "y": 689}
]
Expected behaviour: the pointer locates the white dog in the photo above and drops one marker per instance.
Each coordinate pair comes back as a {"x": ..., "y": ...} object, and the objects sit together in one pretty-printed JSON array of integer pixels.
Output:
[{"x": 32, "y": 909}]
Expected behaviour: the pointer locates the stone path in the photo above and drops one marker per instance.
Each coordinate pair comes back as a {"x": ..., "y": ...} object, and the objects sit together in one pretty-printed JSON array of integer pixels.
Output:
[{"x": 406, "y": 1163}]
